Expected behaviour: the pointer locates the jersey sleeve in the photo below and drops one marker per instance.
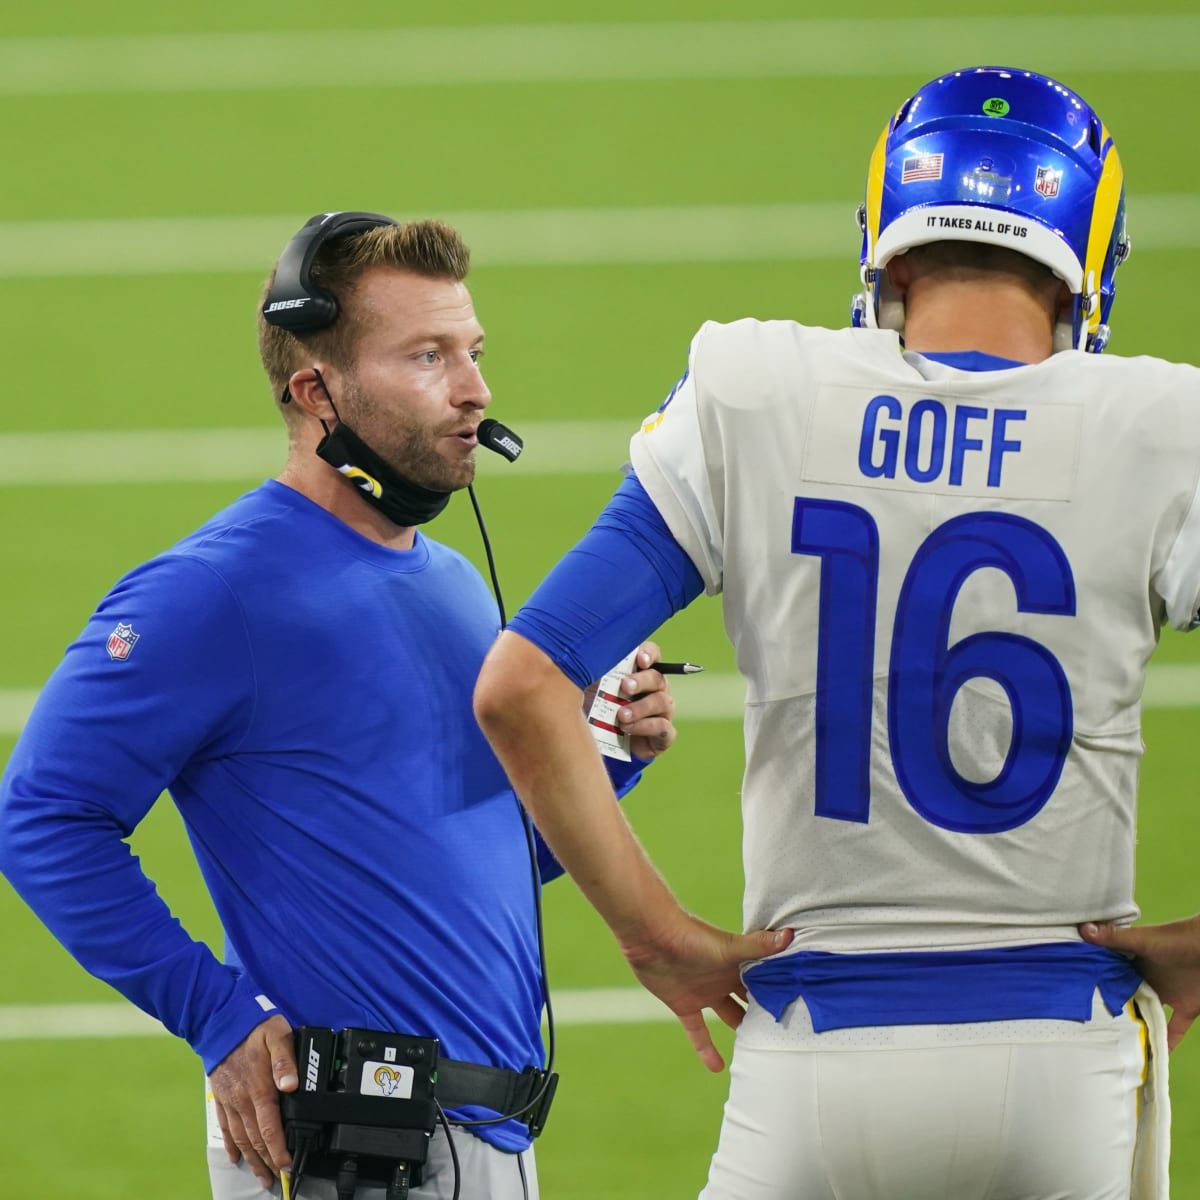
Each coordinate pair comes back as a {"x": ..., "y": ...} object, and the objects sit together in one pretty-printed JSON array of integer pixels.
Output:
[
  {"x": 1179, "y": 580},
  {"x": 611, "y": 591},
  {"x": 676, "y": 468},
  {"x": 162, "y": 675}
]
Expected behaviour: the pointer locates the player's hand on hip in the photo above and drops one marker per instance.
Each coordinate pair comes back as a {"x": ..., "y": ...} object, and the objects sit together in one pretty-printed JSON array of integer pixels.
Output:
[
  {"x": 1168, "y": 957},
  {"x": 648, "y": 715},
  {"x": 698, "y": 966},
  {"x": 245, "y": 1085}
]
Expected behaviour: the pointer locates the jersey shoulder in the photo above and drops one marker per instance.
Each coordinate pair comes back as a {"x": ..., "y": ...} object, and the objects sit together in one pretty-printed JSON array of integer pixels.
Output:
[
  {"x": 1161, "y": 371},
  {"x": 783, "y": 337},
  {"x": 754, "y": 364},
  {"x": 1156, "y": 403}
]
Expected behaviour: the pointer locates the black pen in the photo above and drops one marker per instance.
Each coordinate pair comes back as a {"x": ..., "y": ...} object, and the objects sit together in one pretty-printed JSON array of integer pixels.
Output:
[{"x": 680, "y": 668}]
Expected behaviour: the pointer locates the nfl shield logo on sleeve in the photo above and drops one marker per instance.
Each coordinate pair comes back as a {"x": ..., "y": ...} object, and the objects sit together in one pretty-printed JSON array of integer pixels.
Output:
[{"x": 121, "y": 642}]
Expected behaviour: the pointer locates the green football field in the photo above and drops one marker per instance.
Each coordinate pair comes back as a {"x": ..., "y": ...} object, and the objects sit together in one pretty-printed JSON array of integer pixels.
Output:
[{"x": 623, "y": 172}]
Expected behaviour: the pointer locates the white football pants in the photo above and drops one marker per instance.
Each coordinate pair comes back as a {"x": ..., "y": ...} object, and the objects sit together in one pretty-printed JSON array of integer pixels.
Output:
[{"x": 1003, "y": 1110}]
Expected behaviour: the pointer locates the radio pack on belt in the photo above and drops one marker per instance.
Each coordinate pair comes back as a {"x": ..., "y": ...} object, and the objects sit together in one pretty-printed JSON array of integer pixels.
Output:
[
  {"x": 366, "y": 1106},
  {"x": 364, "y": 1111}
]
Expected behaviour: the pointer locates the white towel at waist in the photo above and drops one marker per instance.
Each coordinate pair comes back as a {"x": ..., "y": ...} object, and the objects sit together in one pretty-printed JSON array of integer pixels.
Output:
[{"x": 1152, "y": 1153}]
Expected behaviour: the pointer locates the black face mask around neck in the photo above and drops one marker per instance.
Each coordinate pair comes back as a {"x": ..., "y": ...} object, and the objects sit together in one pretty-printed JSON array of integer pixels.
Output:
[
  {"x": 400, "y": 500},
  {"x": 403, "y": 502}
]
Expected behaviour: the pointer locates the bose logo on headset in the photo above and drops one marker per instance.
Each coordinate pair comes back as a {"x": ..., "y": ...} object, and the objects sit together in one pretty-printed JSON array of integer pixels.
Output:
[
  {"x": 510, "y": 444},
  {"x": 287, "y": 304}
]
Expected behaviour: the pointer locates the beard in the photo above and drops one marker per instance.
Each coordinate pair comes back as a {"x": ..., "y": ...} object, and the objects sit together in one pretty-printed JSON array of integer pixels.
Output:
[{"x": 408, "y": 447}]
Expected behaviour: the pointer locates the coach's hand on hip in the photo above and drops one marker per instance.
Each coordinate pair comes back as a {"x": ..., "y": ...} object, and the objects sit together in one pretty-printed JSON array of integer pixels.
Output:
[{"x": 246, "y": 1086}]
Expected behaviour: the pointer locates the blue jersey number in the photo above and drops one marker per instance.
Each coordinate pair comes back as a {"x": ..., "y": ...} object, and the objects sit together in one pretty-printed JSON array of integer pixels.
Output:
[{"x": 926, "y": 672}]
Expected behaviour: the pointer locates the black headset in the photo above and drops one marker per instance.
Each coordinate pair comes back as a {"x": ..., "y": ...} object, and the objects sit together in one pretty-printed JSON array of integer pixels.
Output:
[{"x": 293, "y": 302}]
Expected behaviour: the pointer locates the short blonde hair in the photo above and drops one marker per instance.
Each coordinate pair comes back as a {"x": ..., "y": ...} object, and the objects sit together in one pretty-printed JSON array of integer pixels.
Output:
[
  {"x": 429, "y": 248},
  {"x": 974, "y": 260}
]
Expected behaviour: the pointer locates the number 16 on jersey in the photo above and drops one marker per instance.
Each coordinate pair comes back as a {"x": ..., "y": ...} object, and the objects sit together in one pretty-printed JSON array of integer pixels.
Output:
[{"x": 925, "y": 672}]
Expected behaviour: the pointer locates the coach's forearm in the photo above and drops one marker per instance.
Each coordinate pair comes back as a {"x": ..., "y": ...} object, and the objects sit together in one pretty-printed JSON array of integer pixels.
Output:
[{"x": 531, "y": 714}]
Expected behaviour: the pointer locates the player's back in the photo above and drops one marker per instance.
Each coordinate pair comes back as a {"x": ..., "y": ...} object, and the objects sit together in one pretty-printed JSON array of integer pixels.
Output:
[{"x": 943, "y": 586}]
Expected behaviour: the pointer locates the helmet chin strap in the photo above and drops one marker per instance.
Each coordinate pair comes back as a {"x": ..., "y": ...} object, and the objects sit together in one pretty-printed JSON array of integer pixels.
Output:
[
  {"x": 1065, "y": 337},
  {"x": 1072, "y": 330},
  {"x": 879, "y": 305},
  {"x": 889, "y": 304}
]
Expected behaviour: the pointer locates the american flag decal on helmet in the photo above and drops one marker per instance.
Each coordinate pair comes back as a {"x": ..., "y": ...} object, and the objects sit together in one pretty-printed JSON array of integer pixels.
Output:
[
  {"x": 121, "y": 642},
  {"x": 924, "y": 166}
]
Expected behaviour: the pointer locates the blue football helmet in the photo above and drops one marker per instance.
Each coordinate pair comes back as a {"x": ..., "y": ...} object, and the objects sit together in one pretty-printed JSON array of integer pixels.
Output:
[{"x": 1008, "y": 157}]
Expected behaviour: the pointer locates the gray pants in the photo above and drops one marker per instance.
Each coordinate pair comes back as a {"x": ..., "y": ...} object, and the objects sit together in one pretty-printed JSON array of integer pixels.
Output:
[{"x": 486, "y": 1174}]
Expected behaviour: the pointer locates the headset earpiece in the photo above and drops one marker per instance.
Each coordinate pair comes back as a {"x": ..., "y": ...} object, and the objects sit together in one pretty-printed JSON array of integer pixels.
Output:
[{"x": 294, "y": 303}]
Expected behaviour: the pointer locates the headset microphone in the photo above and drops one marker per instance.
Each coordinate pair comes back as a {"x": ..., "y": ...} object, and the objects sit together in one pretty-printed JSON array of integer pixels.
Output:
[
  {"x": 499, "y": 438},
  {"x": 504, "y": 442}
]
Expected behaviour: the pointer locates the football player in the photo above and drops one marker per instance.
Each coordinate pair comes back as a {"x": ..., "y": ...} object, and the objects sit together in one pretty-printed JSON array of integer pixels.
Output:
[{"x": 947, "y": 539}]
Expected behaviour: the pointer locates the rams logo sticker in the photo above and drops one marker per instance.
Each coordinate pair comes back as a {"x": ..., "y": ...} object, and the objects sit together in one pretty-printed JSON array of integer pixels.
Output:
[
  {"x": 387, "y": 1079},
  {"x": 121, "y": 642}
]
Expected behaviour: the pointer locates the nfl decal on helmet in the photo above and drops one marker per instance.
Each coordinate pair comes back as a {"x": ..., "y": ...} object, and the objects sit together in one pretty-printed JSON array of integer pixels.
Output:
[{"x": 1007, "y": 157}]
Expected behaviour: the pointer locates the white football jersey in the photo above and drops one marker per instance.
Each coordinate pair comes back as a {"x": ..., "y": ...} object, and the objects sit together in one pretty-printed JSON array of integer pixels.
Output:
[{"x": 943, "y": 588}]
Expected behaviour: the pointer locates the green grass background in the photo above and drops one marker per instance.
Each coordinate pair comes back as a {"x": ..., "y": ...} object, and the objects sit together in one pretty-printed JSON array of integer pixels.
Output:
[{"x": 122, "y": 1118}]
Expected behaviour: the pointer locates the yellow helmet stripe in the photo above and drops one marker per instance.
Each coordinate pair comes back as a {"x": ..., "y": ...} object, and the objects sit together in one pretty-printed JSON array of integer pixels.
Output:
[
  {"x": 1104, "y": 216},
  {"x": 875, "y": 191}
]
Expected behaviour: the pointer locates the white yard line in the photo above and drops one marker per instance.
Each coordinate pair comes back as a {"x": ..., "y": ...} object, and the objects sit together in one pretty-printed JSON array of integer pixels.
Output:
[
  {"x": 655, "y": 50},
  {"x": 715, "y": 696},
  {"x": 507, "y": 238},
  {"x": 248, "y": 455},
  {"x": 27, "y": 1022}
]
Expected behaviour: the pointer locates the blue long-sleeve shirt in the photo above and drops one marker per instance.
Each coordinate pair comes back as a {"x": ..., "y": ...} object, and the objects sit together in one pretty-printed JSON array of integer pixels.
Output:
[{"x": 305, "y": 696}]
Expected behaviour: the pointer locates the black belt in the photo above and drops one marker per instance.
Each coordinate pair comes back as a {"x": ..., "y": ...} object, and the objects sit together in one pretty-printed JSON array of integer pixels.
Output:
[{"x": 462, "y": 1083}]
